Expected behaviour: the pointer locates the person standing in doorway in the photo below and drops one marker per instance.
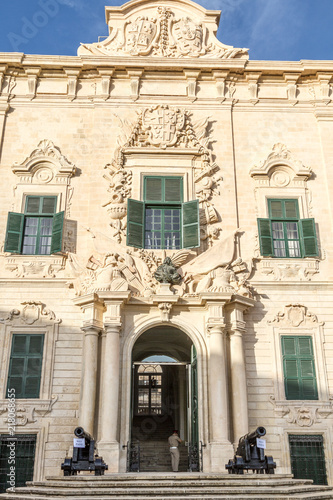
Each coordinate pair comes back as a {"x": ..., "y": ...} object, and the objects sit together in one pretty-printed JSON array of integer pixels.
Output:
[{"x": 174, "y": 442}]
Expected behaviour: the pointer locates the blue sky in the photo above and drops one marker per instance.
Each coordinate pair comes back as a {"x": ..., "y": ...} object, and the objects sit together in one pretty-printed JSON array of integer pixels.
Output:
[{"x": 271, "y": 29}]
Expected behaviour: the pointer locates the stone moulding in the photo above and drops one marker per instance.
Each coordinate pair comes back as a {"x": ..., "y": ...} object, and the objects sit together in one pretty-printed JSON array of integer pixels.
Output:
[
  {"x": 295, "y": 315},
  {"x": 289, "y": 270},
  {"x": 28, "y": 412},
  {"x": 177, "y": 29},
  {"x": 303, "y": 413},
  {"x": 32, "y": 312},
  {"x": 35, "y": 266}
]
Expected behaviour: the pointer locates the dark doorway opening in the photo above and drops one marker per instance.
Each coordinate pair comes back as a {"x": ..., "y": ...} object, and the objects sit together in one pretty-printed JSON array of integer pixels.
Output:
[{"x": 164, "y": 398}]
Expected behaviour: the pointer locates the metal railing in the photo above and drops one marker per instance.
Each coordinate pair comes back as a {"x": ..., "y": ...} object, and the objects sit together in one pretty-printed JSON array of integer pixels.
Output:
[
  {"x": 133, "y": 456},
  {"x": 195, "y": 457}
]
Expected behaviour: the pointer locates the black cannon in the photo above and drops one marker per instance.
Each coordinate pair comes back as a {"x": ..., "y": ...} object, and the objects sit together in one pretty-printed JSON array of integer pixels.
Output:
[
  {"x": 250, "y": 456},
  {"x": 84, "y": 457}
]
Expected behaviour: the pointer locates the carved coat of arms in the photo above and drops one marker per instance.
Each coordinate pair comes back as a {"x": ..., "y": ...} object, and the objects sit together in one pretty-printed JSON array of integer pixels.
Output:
[
  {"x": 140, "y": 35},
  {"x": 163, "y": 125},
  {"x": 188, "y": 37}
]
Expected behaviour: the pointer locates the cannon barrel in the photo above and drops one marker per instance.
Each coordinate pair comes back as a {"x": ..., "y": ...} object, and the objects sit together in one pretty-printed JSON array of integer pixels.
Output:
[
  {"x": 81, "y": 433},
  {"x": 252, "y": 436}
]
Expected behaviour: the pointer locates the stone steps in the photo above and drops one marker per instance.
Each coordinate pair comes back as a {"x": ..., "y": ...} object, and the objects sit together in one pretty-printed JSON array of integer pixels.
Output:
[
  {"x": 155, "y": 457},
  {"x": 171, "y": 486}
]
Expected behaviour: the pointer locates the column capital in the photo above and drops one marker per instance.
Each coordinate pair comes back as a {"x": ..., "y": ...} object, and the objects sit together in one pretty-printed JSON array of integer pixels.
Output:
[
  {"x": 91, "y": 330},
  {"x": 236, "y": 328},
  {"x": 93, "y": 309},
  {"x": 112, "y": 327},
  {"x": 217, "y": 328}
]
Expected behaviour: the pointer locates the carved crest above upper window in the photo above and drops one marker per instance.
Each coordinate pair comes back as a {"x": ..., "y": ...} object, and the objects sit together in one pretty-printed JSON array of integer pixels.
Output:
[
  {"x": 176, "y": 29},
  {"x": 45, "y": 164},
  {"x": 280, "y": 169}
]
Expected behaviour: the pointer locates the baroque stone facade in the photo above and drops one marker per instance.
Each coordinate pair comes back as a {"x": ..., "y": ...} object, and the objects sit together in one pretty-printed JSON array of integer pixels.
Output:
[{"x": 161, "y": 97}]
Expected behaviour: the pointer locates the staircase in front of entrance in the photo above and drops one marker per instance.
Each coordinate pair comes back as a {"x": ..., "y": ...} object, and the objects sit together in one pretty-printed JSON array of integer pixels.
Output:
[
  {"x": 152, "y": 434},
  {"x": 175, "y": 486},
  {"x": 155, "y": 457}
]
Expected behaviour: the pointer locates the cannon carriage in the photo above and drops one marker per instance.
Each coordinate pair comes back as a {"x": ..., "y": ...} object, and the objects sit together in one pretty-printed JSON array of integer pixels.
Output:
[
  {"x": 84, "y": 458},
  {"x": 251, "y": 456}
]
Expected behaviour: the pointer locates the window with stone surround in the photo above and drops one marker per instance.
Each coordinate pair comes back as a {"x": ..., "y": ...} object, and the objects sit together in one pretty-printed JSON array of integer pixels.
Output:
[
  {"x": 37, "y": 231},
  {"x": 284, "y": 234},
  {"x": 163, "y": 220}
]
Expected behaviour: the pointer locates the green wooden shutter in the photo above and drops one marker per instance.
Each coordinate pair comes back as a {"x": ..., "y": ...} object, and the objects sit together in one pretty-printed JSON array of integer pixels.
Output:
[
  {"x": 135, "y": 223},
  {"x": 173, "y": 189},
  {"x": 57, "y": 231},
  {"x": 265, "y": 237},
  {"x": 299, "y": 370},
  {"x": 291, "y": 209},
  {"x": 309, "y": 237},
  {"x": 32, "y": 205},
  {"x": 275, "y": 209},
  {"x": 153, "y": 189},
  {"x": 48, "y": 204},
  {"x": 190, "y": 224},
  {"x": 26, "y": 365},
  {"x": 307, "y": 370},
  {"x": 14, "y": 233}
]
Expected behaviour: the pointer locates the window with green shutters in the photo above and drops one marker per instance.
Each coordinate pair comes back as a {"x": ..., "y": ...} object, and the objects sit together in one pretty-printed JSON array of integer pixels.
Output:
[
  {"x": 284, "y": 234},
  {"x": 25, "y": 365},
  {"x": 299, "y": 368},
  {"x": 38, "y": 231},
  {"x": 163, "y": 220}
]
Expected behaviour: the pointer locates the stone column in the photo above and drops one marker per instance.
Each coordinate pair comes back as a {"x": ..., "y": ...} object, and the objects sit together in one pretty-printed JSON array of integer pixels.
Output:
[
  {"x": 89, "y": 382},
  {"x": 238, "y": 372},
  {"x": 218, "y": 385},
  {"x": 93, "y": 310},
  {"x": 220, "y": 446},
  {"x": 109, "y": 446},
  {"x": 110, "y": 397}
]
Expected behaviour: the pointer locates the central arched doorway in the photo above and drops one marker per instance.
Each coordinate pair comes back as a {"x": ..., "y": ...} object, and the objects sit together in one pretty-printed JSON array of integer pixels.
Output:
[{"x": 164, "y": 397}]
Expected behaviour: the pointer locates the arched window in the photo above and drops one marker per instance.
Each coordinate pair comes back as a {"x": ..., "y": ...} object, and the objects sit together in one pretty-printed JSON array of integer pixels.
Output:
[{"x": 149, "y": 389}]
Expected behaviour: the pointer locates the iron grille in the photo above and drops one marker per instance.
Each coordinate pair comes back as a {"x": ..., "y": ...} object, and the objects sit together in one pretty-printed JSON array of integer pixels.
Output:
[
  {"x": 308, "y": 458},
  {"x": 23, "y": 451}
]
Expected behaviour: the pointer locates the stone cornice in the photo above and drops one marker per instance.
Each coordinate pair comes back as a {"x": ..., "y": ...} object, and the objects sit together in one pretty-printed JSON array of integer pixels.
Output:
[{"x": 304, "y": 67}]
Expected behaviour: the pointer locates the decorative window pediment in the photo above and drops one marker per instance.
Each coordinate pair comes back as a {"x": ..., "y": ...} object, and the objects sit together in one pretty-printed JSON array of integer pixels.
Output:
[
  {"x": 44, "y": 165},
  {"x": 280, "y": 169}
]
